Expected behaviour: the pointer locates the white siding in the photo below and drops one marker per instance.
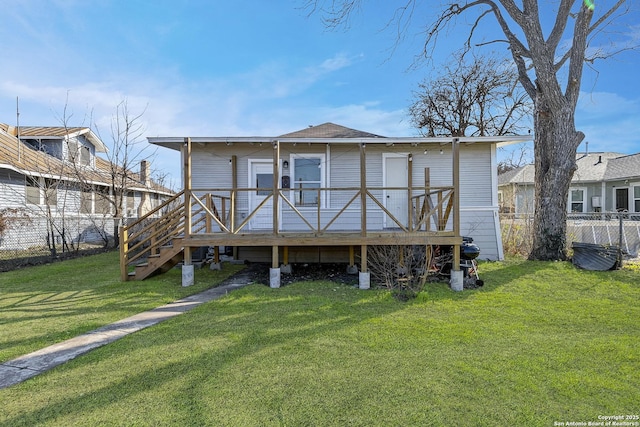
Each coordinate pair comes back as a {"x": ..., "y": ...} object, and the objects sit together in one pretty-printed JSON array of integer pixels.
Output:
[
  {"x": 12, "y": 189},
  {"x": 211, "y": 168},
  {"x": 481, "y": 226},
  {"x": 475, "y": 175}
]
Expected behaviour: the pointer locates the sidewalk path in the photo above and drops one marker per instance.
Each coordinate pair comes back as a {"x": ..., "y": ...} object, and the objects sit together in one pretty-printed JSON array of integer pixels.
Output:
[{"x": 27, "y": 366}]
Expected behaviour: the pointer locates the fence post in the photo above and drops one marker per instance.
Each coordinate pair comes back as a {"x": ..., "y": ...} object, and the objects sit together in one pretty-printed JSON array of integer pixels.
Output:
[{"x": 620, "y": 231}]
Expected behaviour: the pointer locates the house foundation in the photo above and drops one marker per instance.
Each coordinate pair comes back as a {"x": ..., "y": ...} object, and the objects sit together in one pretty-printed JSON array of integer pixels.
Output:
[
  {"x": 456, "y": 281},
  {"x": 364, "y": 280},
  {"x": 187, "y": 275},
  {"x": 274, "y": 278}
]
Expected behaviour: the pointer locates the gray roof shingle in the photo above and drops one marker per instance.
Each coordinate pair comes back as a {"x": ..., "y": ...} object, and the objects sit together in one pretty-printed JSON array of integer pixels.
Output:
[
  {"x": 592, "y": 167},
  {"x": 329, "y": 130},
  {"x": 623, "y": 167}
]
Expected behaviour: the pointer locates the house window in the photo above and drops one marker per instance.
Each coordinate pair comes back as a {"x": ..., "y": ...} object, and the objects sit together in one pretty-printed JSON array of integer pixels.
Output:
[
  {"x": 36, "y": 188},
  {"x": 264, "y": 184},
  {"x": 131, "y": 204},
  {"x": 103, "y": 201},
  {"x": 79, "y": 153},
  {"x": 86, "y": 202},
  {"x": 32, "y": 191},
  {"x": 308, "y": 173},
  {"x": 577, "y": 200},
  {"x": 51, "y": 192},
  {"x": 85, "y": 155},
  {"x": 636, "y": 198}
]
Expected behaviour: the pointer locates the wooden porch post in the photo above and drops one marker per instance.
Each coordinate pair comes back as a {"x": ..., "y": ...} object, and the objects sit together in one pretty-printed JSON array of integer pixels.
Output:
[
  {"x": 187, "y": 267},
  {"x": 457, "y": 281},
  {"x": 234, "y": 190},
  {"x": 276, "y": 185},
  {"x": 186, "y": 157},
  {"x": 410, "y": 193},
  {"x": 456, "y": 200},
  {"x": 363, "y": 206},
  {"x": 427, "y": 191},
  {"x": 364, "y": 277},
  {"x": 275, "y": 259},
  {"x": 274, "y": 272}
]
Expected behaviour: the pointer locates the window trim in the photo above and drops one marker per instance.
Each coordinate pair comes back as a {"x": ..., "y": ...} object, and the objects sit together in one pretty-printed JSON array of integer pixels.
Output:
[
  {"x": 634, "y": 199},
  {"x": 86, "y": 201},
  {"x": 323, "y": 179},
  {"x": 583, "y": 201},
  {"x": 32, "y": 183}
]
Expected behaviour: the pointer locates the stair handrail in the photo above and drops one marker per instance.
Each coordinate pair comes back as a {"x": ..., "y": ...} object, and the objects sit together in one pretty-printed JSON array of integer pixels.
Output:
[{"x": 125, "y": 258}]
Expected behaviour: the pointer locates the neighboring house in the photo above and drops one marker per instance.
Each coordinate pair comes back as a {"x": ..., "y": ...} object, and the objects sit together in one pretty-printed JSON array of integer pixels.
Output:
[
  {"x": 603, "y": 182},
  {"x": 53, "y": 176},
  {"x": 325, "y": 193}
]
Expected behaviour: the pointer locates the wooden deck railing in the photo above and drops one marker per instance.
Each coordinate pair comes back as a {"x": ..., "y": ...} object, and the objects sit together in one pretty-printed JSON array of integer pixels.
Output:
[
  {"x": 431, "y": 206},
  {"x": 215, "y": 212}
]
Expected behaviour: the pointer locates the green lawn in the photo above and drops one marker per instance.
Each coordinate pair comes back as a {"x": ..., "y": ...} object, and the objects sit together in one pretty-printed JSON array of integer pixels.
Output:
[
  {"x": 541, "y": 343},
  {"x": 42, "y": 305}
]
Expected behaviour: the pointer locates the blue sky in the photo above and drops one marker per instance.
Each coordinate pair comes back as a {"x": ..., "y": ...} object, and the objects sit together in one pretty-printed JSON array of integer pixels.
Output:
[{"x": 250, "y": 67}]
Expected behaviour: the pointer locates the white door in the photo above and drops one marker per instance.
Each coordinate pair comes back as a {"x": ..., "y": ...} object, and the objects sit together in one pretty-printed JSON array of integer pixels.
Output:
[
  {"x": 395, "y": 201},
  {"x": 261, "y": 177}
]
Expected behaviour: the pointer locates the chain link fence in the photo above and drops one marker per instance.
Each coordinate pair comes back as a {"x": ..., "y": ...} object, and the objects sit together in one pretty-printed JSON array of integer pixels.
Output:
[
  {"x": 619, "y": 229},
  {"x": 30, "y": 240}
]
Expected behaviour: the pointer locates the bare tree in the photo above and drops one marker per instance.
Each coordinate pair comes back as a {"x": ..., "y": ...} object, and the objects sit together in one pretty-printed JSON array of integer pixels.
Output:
[
  {"x": 128, "y": 149},
  {"x": 514, "y": 158},
  {"x": 550, "y": 60},
  {"x": 109, "y": 182},
  {"x": 476, "y": 98}
]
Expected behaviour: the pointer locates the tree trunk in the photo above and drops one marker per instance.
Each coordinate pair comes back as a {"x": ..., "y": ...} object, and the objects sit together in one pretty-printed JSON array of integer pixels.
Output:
[{"x": 556, "y": 143}]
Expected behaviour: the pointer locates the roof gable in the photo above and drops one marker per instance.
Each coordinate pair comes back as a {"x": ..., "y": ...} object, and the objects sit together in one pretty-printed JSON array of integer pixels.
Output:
[
  {"x": 329, "y": 130},
  {"x": 521, "y": 175},
  {"x": 55, "y": 132}
]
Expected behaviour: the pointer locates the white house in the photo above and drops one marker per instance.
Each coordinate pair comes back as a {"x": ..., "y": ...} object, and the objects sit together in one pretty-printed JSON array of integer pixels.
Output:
[
  {"x": 53, "y": 177},
  {"x": 316, "y": 194},
  {"x": 603, "y": 182}
]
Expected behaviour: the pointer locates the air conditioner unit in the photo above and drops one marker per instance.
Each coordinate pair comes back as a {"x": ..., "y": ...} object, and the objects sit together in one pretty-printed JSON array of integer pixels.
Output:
[{"x": 596, "y": 202}]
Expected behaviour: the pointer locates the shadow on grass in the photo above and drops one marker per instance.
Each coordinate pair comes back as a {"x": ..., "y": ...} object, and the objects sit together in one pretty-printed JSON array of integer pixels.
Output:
[
  {"x": 257, "y": 319},
  {"x": 174, "y": 366},
  {"x": 48, "y": 305}
]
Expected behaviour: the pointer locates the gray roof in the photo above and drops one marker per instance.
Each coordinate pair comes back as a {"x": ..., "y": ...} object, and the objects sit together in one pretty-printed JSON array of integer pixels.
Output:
[
  {"x": 329, "y": 130},
  {"x": 592, "y": 167},
  {"x": 55, "y": 132},
  {"x": 623, "y": 167},
  {"x": 521, "y": 175}
]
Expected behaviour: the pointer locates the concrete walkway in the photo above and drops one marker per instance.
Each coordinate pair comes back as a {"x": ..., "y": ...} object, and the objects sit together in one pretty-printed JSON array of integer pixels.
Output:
[{"x": 27, "y": 366}]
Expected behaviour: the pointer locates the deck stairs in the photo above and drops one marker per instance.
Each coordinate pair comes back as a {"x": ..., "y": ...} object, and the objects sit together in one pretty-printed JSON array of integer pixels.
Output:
[
  {"x": 153, "y": 244},
  {"x": 167, "y": 258}
]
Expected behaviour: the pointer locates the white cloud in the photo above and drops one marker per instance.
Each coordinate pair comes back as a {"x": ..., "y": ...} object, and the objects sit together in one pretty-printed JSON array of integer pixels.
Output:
[{"x": 271, "y": 100}]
